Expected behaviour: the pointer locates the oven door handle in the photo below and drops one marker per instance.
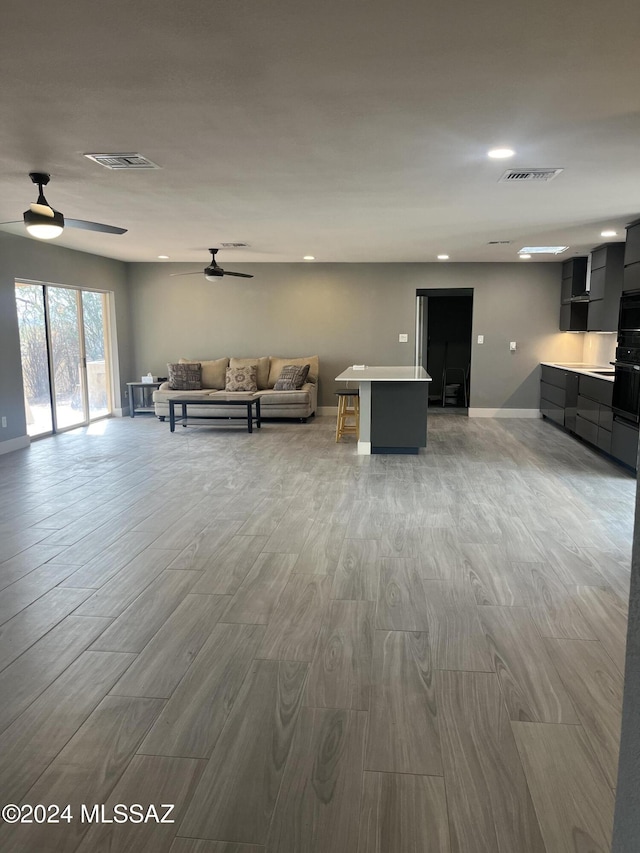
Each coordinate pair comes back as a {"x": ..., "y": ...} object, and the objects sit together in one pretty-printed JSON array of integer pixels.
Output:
[{"x": 625, "y": 365}]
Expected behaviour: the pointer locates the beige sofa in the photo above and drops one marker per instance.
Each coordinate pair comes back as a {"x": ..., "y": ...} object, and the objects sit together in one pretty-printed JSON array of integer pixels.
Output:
[{"x": 274, "y": 404}]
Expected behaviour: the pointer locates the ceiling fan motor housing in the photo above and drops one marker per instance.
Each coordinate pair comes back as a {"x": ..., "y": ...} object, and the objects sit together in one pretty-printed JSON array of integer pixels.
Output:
[{"x": 211, "y": 273}]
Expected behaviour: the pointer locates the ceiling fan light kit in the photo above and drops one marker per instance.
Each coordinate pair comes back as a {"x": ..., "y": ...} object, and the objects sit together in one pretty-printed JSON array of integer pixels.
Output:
[
  {"x": 44, "y": 226},
  {"x": 45, "y": 223}
]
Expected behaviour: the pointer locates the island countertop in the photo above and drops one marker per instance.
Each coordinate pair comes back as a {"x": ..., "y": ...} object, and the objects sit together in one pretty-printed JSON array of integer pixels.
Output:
[{"x": 384, "y": 374}]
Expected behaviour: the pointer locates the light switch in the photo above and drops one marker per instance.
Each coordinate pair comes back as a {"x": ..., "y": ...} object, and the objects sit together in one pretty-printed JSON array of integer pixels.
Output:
[
  {"x": 480, "y": 339},
  {"x": 512, "y": 346},
  {"x": 403, "y": 339}
]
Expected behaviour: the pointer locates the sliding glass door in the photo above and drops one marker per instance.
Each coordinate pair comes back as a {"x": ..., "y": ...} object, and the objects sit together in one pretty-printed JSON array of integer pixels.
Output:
[
  {"x": 65, "y": 356},
  {"x": 35, "y": 358},
  {"x": 96, "y": 350}
]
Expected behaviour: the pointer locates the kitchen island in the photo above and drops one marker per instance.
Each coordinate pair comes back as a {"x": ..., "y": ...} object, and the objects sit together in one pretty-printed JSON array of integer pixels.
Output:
[{"x": 393, "y": 408}]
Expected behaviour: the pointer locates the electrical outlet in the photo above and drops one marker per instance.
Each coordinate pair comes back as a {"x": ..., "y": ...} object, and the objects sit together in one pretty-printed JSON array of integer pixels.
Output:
[
  {"x": 480, "y": 339},
  {"x": 4, "y": 422},
  {"x": 403, "y": 339},
  {"x": 512, "y": 346}
]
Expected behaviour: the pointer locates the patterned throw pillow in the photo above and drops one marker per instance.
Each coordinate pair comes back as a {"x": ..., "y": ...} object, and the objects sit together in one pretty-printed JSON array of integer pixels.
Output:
[
  {"x": 292, "y": 377},
  {"x": 242, "y": 378},
  {"x": 185, "y": 377}
]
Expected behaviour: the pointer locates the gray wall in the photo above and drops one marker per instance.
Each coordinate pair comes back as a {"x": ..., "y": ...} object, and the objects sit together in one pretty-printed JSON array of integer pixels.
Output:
[
  {"x": 352, "y": 313},
  {"x": 25, "y": 258}
]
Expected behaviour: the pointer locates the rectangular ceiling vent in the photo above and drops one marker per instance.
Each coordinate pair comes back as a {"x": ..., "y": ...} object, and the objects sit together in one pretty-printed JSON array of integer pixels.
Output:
[
  {"x": 538, "y": 176},
  {"x": 499, "y": 243},
  {"x": 234, "y": 245},
  {"x": 122, "y": 161}
]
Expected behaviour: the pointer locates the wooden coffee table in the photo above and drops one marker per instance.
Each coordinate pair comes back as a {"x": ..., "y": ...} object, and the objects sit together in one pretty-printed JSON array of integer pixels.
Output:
[{"x": 248, "y": 402}]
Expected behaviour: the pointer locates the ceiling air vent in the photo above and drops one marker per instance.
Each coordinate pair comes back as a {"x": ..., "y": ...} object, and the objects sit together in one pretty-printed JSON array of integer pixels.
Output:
[
  {"x": 234, "y": 245},
  {"x": 499, "y": 242},
  {"x": 122, "y": 161},
  {"x": 539, "y": 176}
]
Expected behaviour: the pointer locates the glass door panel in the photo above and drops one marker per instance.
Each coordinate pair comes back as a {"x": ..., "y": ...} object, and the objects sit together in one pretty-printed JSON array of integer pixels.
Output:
[
  {"x": 66, "y": 357},
  {"x": 35, "y": 358},
  {"x": 96, "y": 352}
]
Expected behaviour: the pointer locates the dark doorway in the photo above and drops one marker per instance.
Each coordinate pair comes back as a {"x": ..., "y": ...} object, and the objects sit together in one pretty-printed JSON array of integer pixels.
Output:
[{"x": 445, "y": 324}]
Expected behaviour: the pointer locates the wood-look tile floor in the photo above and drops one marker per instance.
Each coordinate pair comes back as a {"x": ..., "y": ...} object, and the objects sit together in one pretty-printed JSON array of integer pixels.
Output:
[{"x": 309, "y": 651}]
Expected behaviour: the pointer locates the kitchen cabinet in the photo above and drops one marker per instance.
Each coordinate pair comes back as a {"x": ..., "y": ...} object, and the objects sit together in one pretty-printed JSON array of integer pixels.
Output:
[
  {"x": 559, "y": 396},
  {"x": 607, "y": 272},
  {"x": 573, "y": 315},
  {"x": 624, "y": 443},
  {"x": 574, "y": 278},
  {"x": 632, "y": 258},
  {"x": 553, "y": 393},
  {"x": 581, "y": 403},
  {"x": 594, "y": 418}
]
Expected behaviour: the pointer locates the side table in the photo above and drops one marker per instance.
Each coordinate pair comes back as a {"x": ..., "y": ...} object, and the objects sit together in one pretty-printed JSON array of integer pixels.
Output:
[{"x": 144, "y": 404}]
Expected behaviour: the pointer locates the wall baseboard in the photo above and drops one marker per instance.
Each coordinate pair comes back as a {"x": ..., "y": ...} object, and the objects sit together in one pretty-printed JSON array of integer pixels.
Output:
[
  {"x": 12, "y": 444},
  {"x": 504, "y": 413},
  {"x": 327, "y": 410},
  {"x": 121, "y": 413}
]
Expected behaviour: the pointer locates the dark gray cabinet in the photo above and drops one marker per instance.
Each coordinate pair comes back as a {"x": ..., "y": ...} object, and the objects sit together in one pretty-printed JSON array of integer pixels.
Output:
[
  {"x": 594, "y": 418},
  {"x": 624, "y": 443},
  {"x": 573, "y": 315},
  {"x": 582, "y": 405},
  {"x": 574, "y": 278},
  {"x": 553, "y": 393},
  {"x": 632, "y": 258},
  {"x": 607, "y": 272}
]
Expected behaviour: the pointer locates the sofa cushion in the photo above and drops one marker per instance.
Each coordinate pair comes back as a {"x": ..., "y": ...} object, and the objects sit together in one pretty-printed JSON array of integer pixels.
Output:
[
  {"x": 292, "y": 377},
  {"x": 242, "y": 378},
  {"x": 213, "y": 372},
  {"x": 185, "y": 377},
  {"x": 262, "y": 377},
  {"x": 276, "y": 363},
  {"x": 285, "y": 398}
]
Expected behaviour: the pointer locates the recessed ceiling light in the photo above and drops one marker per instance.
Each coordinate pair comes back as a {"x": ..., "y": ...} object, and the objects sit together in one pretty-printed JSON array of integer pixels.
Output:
[
  {"x": 542, "y": 250},
  {"x": 163, "y": 257},
  {"x": 524, "y": 256},
  {"x": 443, "y": 257},
  {"x": 500, "y": 153},
  {"x": 608, "y": 233},
  {"x": 309, "y": 258}
]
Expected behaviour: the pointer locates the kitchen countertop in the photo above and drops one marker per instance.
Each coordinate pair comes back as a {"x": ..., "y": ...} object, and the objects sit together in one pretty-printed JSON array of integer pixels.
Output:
[
  {"x": 586, "y": 369},
  {"x": 385, "y": 374}
]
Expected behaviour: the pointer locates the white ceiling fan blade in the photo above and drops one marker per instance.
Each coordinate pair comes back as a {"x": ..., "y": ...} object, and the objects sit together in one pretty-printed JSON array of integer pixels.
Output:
[{"x": 42, "y": 209}]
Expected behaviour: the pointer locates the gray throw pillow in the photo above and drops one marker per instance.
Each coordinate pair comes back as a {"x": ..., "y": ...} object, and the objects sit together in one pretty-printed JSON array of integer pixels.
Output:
[
  {"x": 185, "y": 377},
  {"x": 292, "y": 377},
  {"x": 242, "y": 378}
]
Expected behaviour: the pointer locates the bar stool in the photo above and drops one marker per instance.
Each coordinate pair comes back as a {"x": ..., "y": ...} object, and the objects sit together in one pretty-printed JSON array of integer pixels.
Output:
[{"x": 348, "y": 408}]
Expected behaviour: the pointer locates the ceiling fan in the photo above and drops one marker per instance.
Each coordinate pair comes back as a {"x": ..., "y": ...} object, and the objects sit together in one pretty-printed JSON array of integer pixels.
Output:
[
  {"x": 213, "y": 271},
  {"x": 42, "y": 221}
]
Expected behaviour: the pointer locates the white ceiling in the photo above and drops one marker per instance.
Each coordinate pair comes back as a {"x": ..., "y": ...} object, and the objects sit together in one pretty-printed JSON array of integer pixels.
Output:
[{"x": 353, "y": 131}]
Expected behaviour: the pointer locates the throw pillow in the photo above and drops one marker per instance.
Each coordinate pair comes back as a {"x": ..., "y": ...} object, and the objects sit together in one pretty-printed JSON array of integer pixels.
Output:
[
  {"x": 276, "y": 363},
  {"x": 262, "y": 374},
  {"x": 242, "y": 378},
  {"x": 185, "y": 377},
  {"x": 292, "y": 377},
  {"x": 213, "y": 371}
]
